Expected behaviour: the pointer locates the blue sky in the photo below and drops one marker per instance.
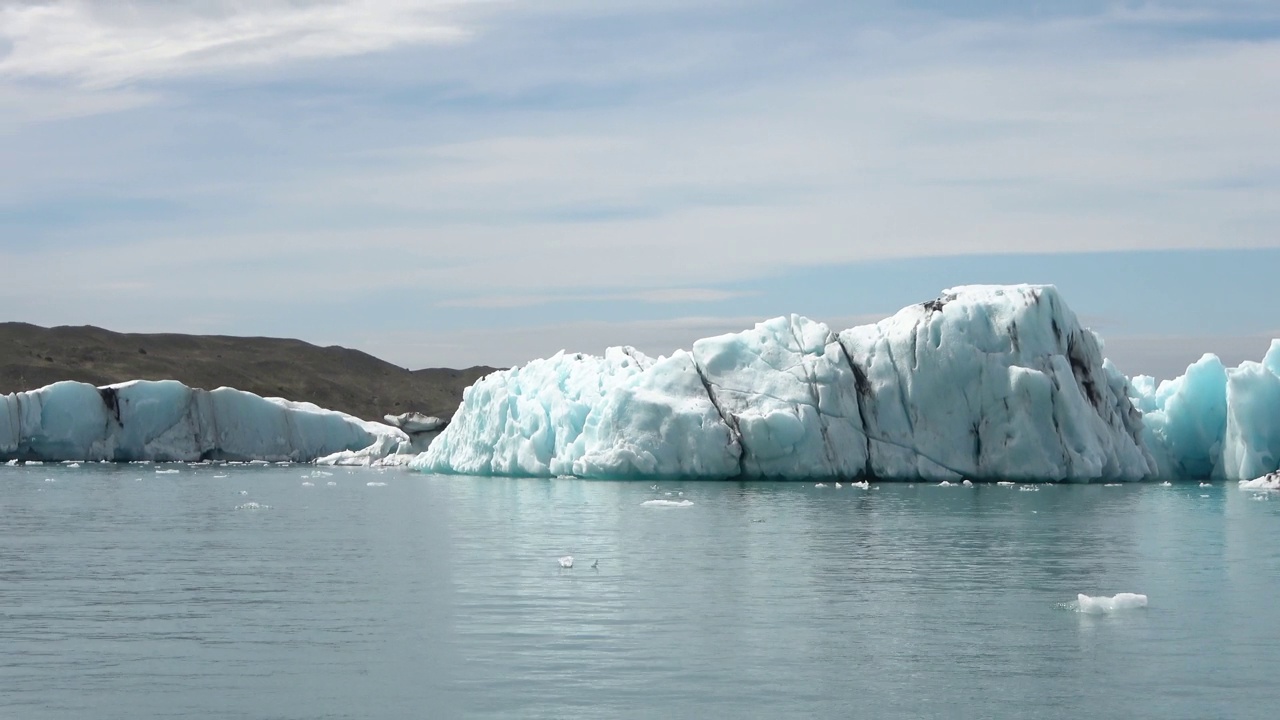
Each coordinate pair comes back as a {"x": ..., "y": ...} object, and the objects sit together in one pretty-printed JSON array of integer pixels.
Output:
[{"x": 454, "y": 182}]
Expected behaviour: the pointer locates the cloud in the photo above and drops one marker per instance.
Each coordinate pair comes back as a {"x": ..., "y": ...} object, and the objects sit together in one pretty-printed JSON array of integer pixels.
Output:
[
  {"x": 657, "y": 296},
  {"x": 102, "y": 44},
  {"x": 443, "y": 159}
]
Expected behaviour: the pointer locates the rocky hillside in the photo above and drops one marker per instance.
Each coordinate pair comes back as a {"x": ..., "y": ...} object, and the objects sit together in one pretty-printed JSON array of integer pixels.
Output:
[{"x": 331, "y": 377}]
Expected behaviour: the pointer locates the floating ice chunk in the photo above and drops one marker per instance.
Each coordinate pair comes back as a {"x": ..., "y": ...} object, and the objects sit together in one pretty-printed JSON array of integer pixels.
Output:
[
  {"x": 1102, "y": 604},
  {"x": 12, "y": 463},
  {"x": 1205, "y": 484},
  {"x": 34, "y": 462},
  {"x": 566, "y": 561},
  {"x": 865, "y": 485},
  {"x": 1111, "y": 485},
  {"x": 1270, "y": 481},
  {"x": 375, "y": 484},
  {"x": 967, "y": 483},
  {"x": 816, "y": 485},
  {"x": 1005, "y": 483},
  {"x": 73, "y": 465},
  {"x": 331, "y": 483},
  {"x": 667, "y": 503},
  {"x": 1166, "y": 483},
  {"x": 306, "y": 483},
  {"x": 838, "y": 486},
  {"x": 168, "y": 472},
  {"x": 253, "y": 506},
  {"x": 1029, "y": 488},
  {"x": 219, "y": 477},
  {"x": 50, "y": 480},
  {"x": 244, "y": 492},
  {"x": 945, "y": 483}
]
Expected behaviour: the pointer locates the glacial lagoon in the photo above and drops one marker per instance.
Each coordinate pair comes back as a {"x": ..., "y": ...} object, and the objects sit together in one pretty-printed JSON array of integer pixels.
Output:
[{"x": 235, "y": 591}]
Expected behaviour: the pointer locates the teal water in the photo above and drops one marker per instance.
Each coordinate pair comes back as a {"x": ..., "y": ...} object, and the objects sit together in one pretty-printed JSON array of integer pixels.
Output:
[{"x": 127, "y": 593}]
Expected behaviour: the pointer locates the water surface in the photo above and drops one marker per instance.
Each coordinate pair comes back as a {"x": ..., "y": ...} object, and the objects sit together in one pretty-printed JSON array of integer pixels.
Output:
[{"x": 130, "y": 593}]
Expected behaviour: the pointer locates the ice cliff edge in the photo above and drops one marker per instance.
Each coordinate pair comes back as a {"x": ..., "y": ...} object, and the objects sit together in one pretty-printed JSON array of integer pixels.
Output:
[{"x": 984, "y": 381}]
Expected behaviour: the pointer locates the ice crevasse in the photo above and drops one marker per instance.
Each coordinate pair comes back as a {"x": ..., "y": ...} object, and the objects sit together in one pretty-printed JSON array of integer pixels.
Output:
[{"x": 988, "y": 382}]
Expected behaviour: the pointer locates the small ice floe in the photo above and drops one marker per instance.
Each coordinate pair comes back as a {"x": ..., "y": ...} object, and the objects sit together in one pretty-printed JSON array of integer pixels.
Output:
[
  {"x": 967, "y": 482},
  {"x": 375, "y": 484},
  {"x": 168, "y": 472},
  {"x": 219, "y": 476},
  {"x": 865, "y": 485},
  {"x": 1260, "y": 496},
  {"x": 50, "y": 480},
  {"x": 945, "y": 483},
  {"x": 320, "y": 474},
  {"x": 816, "y": 485},
  {"x": 838, "y": 486},
  {"x": 667, "y": 503},
  {"x": 253, "y": 506},
  {"x": 34, "y": 462},
  {"x": 306, "y": 483},
  {"x": 566, "y": 561},
  {"x": 1029, "y": 488},
  {"x": 1166, "y": 483},
  {"x": 1005, "y": 483},
  {"x": 1270, "y": 481},
  {"x": 1204, "y": 496},
  {"x": 259, "y": 462},
  {"x": 1205, "y": 484},
  {"x": 1111, "y": 485},
  {"x": 331, "y": 483},
  {"x": 1101, "y": 605},
  {"x": 244, "y": 492},
  {"x": 73, "y": 465},
  {"x": 12, "y": 463}
]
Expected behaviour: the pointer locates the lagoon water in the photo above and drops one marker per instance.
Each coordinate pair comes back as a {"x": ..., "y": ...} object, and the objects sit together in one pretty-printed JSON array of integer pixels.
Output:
[{"x": 285, "y": 592}]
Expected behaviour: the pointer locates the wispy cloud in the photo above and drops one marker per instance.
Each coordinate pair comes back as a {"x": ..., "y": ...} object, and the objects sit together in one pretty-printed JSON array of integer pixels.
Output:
[
  {"x": 657, "y": 296},
  {"x": 103, "y": 43}
]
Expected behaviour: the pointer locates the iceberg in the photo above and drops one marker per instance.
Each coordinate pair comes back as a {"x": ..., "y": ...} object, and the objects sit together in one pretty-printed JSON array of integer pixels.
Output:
[
  {"x": 167, "y": 421},
  {"x": 1213, "y": 421},
  {"x": 992, "y": 382}
]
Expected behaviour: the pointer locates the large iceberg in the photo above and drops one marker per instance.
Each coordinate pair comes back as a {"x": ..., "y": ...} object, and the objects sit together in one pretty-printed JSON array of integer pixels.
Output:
[
  {"x": 992, "y": 382},
  {"x": 168, "y": 421}
]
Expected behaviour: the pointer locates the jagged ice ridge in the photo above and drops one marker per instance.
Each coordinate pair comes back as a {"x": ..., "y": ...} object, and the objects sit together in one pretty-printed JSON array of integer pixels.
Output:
[{"x": 991, "y": 382}]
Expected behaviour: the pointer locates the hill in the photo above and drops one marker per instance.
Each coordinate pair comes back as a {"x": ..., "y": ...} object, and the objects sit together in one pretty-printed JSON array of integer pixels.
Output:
[{"x": 332, "y": 377}]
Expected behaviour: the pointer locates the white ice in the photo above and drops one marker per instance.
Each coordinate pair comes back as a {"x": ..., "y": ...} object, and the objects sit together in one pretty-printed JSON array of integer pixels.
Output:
[
  {"x": 667, "y": 503},
  {"x": 168, "y": 421},
  {"x": 1102, "y": 604},
  {"x": 995, "y": 382},
  {"x": 1214, "y": 421}
]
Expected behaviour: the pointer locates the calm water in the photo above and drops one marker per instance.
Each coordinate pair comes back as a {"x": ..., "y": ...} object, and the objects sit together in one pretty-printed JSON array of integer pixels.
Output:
[{"x": 127, "y": 593}]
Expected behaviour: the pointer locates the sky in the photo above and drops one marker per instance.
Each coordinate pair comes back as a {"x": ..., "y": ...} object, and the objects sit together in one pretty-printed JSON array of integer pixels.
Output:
[{"x": 460, "y": 182}]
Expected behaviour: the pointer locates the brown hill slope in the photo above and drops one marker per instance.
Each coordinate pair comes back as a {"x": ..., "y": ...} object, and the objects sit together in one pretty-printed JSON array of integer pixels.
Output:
[{"x": 331, "y": 377}]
